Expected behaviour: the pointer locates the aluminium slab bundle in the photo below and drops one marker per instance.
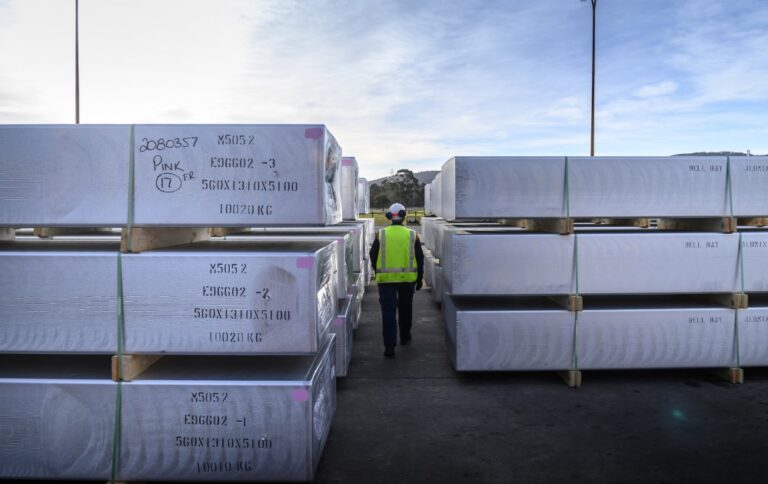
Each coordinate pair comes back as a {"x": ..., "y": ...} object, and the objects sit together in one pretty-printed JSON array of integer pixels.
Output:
[
  {"x": 234, "y": 419},
  {"x": 602, "y": 186},
  {"x": 363, "y": 196},
  {"x": 343, "y": 327},
  {"x": 277, "y": 298},
  {"x": 169, "y": 175},
  {"x": 753, "y": 332},
  {"x": 495, "y": 334},
  {"x": 626, "y": 336},
  {"x": 206, "y": 298},
  {"x": 603, "y": 263},
  {"x": 504, "y": 334},
  {"x": 58, "y": 296},
  {"x": 349, "y": 188}
]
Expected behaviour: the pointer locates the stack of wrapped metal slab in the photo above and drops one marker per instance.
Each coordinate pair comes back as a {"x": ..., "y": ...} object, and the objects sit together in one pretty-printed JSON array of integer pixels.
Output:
[
  {"x": 638, "y": 284},
  {"x": 184, "y": 419},
  {"x": 274, "y": 302},
  {"x": 169, "y": 175},
  {"x": 349, "y": 188},
  {"x": 363, "y": 197}
]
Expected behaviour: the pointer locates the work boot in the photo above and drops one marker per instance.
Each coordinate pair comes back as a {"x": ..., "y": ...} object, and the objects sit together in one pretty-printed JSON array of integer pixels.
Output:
[{"x": 389, "y": 351}]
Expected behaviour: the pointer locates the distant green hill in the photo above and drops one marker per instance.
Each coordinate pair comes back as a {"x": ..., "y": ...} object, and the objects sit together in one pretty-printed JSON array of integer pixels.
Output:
[{"x": 404, "y": 187}]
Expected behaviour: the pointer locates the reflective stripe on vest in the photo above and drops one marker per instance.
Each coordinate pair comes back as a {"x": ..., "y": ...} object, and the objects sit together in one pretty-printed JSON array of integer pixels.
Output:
[{"x": 397, "y": 257}]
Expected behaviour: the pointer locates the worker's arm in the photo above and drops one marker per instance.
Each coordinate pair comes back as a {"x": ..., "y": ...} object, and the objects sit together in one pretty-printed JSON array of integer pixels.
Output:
[
  {"x": 374, "y": 253},
  {"x": 419, "y": 260}
]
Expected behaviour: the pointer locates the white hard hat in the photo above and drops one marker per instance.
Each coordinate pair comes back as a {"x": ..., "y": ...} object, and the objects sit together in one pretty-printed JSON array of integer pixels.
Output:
[{"x": 395, "y": 210}]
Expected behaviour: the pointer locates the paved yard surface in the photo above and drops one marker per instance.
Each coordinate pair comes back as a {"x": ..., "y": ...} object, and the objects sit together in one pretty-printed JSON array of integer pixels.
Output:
[{"x": 413, "y": 419}]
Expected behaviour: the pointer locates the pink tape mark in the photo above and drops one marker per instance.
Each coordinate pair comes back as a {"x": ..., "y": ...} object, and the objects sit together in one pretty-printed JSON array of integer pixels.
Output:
[
  {"x": 305, "y": 262},
  {"x": 313, "y": 133},
  {"x": 347, "y": 161},
  {"x": 339, "y": 322},
  {"x": 300, "y": 395}
]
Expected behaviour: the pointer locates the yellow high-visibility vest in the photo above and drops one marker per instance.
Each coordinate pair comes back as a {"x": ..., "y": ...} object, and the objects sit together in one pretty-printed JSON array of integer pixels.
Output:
[{"x": 397, "y": 257}]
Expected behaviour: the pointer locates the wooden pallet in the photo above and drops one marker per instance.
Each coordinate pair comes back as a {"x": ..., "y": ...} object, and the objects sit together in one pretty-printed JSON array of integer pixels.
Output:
[
  {"x": 7, "y": 233},
  {"x": 139, "y": 239},
  {"x": 132, "y": 366}
]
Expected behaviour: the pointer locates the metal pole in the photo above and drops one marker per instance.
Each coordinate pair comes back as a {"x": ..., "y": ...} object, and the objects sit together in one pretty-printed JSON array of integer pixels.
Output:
[
  {"x": 77, "y": 62},
  {"x": 592, "y": 127}
]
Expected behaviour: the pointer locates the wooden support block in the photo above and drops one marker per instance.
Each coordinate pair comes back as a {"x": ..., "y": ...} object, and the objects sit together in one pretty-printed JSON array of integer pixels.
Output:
[
  {"x": 572, "y": 302},
  {"x": 754, "y": 221},
  {"x": 133, "y": 366},
  {"x": 623, "y": 222},
  {"x": 513, "y": 222},
  {"x": 562, "y": 226},
  {"x": 731, "y": 375},
  {"x": 726, "y": 225},
  {"x": 146, "y": 238},
  {"x": 734, "y": 301},
  {"x": 47, "y": 232},
  {"x": 572, "y": 378},
  {"x": 7, "y": 233},
  {"x": 224, "y": 231}
]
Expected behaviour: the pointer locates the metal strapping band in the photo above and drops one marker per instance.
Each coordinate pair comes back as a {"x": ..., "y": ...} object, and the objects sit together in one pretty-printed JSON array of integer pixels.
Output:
[
  {"x": 739, "y": 261},
  {"x": 116, "y": 434},
  {"x": 566, "y": 191}
]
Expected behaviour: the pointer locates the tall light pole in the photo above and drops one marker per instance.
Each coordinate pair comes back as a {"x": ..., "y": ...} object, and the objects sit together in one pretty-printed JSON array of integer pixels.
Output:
[
  {"x": 77, "y": 62},
  {"x": 592, "y": 125}
]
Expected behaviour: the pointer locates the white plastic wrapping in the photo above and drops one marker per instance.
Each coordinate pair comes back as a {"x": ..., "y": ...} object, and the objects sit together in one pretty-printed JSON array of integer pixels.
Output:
[
  {"x": 56, "y": 418},
  {"x": 601, "y": 186},
  {"x": 343, "y": 327},
  {"x": 230, "y": 297},
  {"x": 753, "y": 333},
  {"x": 184, "y": 175},
  {"x": 492, "y": 334},
  {"x": 278, "y": 413},
  {"x": 64, "y": 175},
  {"x": 607, "y": 263},
  {"x": 627, "y": 337},
  {"x": 349, "y": 188},
  {"x": 363, "y": 196},
  {"x": 58, "y": 296}
]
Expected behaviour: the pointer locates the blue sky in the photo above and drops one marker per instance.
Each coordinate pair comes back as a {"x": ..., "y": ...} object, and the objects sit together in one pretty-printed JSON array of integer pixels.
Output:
[{"x": 405, "y": 83}]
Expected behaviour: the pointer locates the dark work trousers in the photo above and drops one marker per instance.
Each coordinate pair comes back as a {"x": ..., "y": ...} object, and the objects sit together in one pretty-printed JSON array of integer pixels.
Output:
[{"x": 396, "y": 298}]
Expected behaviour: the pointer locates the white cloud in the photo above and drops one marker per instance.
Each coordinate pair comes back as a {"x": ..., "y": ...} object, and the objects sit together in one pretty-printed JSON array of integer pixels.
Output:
[
  {"x": 402, "y": 83},
  {"x": 664, "y": 88}
]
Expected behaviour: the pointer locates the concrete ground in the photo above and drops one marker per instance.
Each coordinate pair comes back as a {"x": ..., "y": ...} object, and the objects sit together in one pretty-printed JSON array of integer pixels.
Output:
[{"x": 413, "y": 419}]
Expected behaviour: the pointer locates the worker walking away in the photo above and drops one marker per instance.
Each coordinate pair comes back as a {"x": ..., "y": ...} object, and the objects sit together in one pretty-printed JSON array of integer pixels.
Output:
[{"x": 398, "y": 262}]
